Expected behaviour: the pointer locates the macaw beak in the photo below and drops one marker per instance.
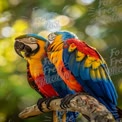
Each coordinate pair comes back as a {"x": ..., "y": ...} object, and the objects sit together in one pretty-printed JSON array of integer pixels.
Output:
[
  {"x": 25, "y": 48},
  {"x": 22, "y": 49}
]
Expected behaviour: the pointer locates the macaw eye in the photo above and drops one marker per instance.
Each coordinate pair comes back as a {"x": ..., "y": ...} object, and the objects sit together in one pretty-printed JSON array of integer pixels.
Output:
[
  {"x": 51, "y": 37},
  {"x": 32, "y": 39}
]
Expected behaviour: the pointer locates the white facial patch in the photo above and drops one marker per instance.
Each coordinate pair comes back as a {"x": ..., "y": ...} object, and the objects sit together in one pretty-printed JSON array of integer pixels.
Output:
[
  {"x": 51, "y": 37},
  {"x": 30, "y": 41}
]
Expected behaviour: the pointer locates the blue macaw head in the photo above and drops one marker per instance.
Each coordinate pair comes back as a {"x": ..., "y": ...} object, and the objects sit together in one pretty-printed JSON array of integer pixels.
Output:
[
  {"x": 66, "y": 35},
  {"x": 61, "y": 35},
  {"x": 32, "y": 35},
  {"x": 29, "y": 45}
]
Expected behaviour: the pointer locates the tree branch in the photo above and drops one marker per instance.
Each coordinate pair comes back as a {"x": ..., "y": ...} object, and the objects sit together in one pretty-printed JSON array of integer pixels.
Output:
[{"x": 83, "y": 103}]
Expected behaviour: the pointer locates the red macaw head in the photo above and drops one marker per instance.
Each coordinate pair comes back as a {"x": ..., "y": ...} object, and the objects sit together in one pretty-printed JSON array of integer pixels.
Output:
[{"x": 30, "y": 46}]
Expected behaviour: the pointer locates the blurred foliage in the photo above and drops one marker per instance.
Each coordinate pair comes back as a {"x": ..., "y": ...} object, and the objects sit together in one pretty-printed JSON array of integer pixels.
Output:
[{"x": 98, "y": 22}]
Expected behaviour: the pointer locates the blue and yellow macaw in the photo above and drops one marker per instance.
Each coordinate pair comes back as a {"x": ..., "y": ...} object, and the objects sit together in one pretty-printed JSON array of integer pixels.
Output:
[
  {"x": 82, "y": 68},
  {"x": 41, "y": 73}
]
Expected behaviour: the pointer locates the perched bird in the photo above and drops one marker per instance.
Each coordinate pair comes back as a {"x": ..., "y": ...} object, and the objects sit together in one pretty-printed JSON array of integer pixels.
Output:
[
  {"x": 42, "y": 74},
  {"x": 81, "y": 66}
]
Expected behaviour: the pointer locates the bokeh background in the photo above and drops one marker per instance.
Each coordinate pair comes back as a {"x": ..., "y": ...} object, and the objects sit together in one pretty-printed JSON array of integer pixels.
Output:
[{"x": 98, "y": 22}]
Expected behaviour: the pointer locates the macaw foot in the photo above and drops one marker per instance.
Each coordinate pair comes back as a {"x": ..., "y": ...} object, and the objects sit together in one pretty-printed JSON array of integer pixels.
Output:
[
  {"x": 39, "y": 103},
  {"x": 47, "y": 102},
  {"x": 66, "y": 100}
]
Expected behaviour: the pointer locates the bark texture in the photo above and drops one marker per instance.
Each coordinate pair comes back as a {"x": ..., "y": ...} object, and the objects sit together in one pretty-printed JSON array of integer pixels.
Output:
[{"x": 82, "y": 103}]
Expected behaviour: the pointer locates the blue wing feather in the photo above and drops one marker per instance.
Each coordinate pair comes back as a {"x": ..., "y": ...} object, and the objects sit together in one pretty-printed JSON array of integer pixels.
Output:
[
  {"x": 66, "y": 58},
  {"x": 71, "y": 61},
  {"x": 76, "y": 67},
  {"x": 84, "y": 72},
  {"x": 100, "y": 87},
  {"x": 93, "y": 83}
]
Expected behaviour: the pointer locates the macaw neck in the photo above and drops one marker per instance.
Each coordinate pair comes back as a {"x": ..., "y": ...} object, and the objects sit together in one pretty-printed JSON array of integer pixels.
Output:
[{"x": 35, "y": 67}]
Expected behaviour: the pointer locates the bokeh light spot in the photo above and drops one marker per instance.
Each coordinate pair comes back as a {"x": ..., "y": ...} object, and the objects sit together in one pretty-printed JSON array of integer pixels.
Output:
[
  {"x": 44, "y": 33},
  {"x": 52, "y": 25},
  {"x": 7, "y": 31},
  {"x": 15, "y": 2},
  {"x": 85, "y": 2},
  {"x": 92, "y": 30},
  {"x": 74, "y": 11},
  {"x": 63, "y": 20}
]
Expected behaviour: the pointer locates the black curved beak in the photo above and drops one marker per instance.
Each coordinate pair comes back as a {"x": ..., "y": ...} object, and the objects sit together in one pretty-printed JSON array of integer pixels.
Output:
[{"x": 21, "y": 47}]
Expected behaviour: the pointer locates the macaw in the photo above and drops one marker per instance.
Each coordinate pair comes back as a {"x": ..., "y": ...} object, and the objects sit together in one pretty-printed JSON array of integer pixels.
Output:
[
  {"x": 80, "y": 65},
  {"x": 41, "y": 73}
]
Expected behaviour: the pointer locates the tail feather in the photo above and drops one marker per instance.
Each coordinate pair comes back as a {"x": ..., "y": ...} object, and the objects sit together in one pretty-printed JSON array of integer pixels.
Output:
[{"x": 70, "y": 116}]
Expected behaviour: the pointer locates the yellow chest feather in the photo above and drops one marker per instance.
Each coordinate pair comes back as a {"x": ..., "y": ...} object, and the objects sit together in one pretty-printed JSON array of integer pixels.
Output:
[{"x": 35, "y": 68}]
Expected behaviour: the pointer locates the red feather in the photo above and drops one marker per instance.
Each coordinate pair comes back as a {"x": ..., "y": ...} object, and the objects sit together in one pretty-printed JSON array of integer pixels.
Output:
[
  {"x": 40, "y": 85},
  {"x": 83, "y": 47},
  {"x": 46, "y": 89}
]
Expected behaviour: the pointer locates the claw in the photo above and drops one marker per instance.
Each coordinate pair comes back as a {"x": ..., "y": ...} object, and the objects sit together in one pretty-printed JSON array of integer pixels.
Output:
[
  {"x": 39, "y": 103},
  {"x": 66, "y": 100},
  {"x": 47, "y": 102}
]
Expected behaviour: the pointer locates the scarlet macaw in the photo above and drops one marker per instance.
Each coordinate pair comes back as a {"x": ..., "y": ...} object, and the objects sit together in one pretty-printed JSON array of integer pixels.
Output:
[
  {"x": 41, "y": 73},
  {"x": 80, "y": 65}
]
